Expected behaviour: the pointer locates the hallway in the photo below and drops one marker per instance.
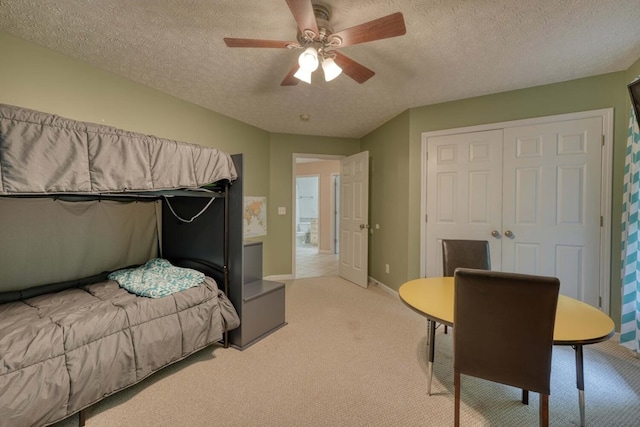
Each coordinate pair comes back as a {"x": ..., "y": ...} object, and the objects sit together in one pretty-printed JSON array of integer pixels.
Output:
[{"x": 310, "y": 263}]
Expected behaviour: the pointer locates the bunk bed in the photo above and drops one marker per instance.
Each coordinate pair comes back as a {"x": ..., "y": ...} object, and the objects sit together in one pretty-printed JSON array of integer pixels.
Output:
[{"x": 100, "y": 286}]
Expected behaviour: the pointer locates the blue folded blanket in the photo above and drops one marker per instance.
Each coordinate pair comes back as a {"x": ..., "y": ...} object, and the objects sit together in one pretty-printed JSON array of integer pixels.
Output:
[{"x": 157, "y": 278}]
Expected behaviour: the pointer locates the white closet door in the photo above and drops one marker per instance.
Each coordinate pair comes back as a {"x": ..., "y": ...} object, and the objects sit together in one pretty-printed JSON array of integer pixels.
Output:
[
  {"x": 551, "y": 206},
  {"x": 464, "y": 193}
]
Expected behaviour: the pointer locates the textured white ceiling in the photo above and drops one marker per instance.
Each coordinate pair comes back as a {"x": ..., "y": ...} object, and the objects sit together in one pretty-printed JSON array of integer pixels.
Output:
[{"x": 453, "y": 49}]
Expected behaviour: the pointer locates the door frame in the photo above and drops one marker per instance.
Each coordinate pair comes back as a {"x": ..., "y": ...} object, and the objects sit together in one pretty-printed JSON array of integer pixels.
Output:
[
  {"x": 335, "y": 207},
  {"x": 294, "y": 158},
  {"x": 606, "y": 115}
]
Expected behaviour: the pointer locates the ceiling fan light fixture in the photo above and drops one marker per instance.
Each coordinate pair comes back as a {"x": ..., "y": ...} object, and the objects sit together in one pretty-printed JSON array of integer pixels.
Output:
[
  {"x": 308, "y": 59},
  {"x": 303, "y": 75},
  {"x": 331, "y": 69}
]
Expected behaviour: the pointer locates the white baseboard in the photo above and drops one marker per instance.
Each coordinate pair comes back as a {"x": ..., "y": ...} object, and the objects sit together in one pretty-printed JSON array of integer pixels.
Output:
[
  {"x": 279, "y": 277},
  {"x": 326, "y": 251},
  {"x": 374, "y": 282}
]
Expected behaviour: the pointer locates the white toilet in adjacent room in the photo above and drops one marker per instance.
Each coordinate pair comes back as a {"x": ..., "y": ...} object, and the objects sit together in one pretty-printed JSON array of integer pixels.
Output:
[{"x": 302, "y": 232}]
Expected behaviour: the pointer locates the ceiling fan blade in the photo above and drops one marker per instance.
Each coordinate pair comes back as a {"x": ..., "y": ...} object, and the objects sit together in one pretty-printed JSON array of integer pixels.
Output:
[
  {"x": 351, "y": 68},
  {"x": 231, "y": 42},
  {"x": 290, "y": 80},
  {"x": 381, "y": 28},
  {"x": 302, "y": 11}
]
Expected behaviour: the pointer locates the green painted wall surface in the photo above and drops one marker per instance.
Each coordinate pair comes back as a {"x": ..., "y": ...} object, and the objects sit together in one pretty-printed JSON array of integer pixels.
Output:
[
  {"x": 599, "y": 92},
  {"x": 37, "y": 78},
  {"x": 40, "y": 79},
  {"x": 633, "y": 71},
  {"x": 402, "y": 153},
  {"x": 388, "y": 148},
  {"x": 283, "y": 146},
  {"x": 604, "y": 91}
]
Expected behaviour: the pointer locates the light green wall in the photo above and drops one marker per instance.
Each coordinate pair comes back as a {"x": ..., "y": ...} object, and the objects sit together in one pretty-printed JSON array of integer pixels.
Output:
[
  {"x": 38, "y": 78},
  {"x": 633, "y": 72},
  {"x": 388, "y": 200},
  {"x": 283, "y": 146},
  {"x": 599, "y": 92}
]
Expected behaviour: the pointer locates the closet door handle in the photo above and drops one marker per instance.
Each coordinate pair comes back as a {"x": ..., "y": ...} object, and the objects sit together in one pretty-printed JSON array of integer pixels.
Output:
[
  {"x": 496, "y": 234},
  {"x": 363, "y": 226},
  {"x": 509, "y": 234}
]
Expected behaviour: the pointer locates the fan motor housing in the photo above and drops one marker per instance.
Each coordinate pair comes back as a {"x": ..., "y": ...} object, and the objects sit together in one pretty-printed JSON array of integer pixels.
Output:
[{"x": 322, "y": 13}]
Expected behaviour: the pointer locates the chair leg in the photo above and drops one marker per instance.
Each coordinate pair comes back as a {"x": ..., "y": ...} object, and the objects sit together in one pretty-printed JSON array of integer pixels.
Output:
[
  {"x": 544, "y": 410},
  {"x": 525, "y": 396},
  {"x": 456, "y": 381}
]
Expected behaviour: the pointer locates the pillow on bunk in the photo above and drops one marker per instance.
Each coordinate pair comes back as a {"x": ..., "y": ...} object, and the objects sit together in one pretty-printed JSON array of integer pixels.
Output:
[{"x": 157, "y": 278}]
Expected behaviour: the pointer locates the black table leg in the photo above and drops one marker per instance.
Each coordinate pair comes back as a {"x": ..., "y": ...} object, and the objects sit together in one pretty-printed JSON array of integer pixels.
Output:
[
  {"x": 431, "y": 325},
  {"x": 580, "y": 381}
]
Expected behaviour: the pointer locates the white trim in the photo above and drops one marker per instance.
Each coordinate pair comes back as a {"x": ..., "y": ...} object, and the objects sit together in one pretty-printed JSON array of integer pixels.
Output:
[
  {"x": 606, "y": 207},
  {"x": 606, "y": 115},
  {"x": 374, "y": 282},
  {"x": 522, "y": 122},
  {"x": 424, "y": 162},
  {"x": 334, "y": 196}
]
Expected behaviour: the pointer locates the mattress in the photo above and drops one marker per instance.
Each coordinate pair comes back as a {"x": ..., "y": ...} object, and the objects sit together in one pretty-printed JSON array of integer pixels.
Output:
[
  {"x": 42, "y": 154},
  {"x": 62, "y": 352}
]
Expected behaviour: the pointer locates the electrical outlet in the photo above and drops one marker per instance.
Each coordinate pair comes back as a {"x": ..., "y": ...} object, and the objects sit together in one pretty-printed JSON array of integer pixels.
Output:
[{"x": 386, "y": 268}]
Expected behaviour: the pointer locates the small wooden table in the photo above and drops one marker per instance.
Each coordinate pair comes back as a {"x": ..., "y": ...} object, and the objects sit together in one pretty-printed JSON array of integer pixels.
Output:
[{"x": 577, "y": 323}]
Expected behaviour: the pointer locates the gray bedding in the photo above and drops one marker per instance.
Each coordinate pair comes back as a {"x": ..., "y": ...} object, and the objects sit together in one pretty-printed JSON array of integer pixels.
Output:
[
  {"x": 42, "y": 153},
  {"x": 61, "y": 352}
]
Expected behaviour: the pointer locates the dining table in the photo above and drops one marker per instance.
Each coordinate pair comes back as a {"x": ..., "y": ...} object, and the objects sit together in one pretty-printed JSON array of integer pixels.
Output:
[{"x": 577, "y": 324}]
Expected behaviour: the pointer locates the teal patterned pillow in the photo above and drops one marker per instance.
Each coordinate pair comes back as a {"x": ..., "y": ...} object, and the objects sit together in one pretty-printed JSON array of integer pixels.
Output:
[{"x": 157, "y": 278}]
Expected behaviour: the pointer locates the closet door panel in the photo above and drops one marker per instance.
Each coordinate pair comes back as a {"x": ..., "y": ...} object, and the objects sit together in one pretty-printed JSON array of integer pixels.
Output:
[
  {"x": 464, "y": 192},
  {"x": 552, "y": 202}
]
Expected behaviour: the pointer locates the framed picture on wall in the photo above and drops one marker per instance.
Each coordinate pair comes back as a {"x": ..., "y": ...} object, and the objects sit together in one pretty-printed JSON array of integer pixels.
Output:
[{"x": 255, "y": 216}]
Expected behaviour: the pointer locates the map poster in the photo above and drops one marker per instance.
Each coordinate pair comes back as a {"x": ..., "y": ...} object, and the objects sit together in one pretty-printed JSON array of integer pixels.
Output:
[{"x": 255, "y": 216}]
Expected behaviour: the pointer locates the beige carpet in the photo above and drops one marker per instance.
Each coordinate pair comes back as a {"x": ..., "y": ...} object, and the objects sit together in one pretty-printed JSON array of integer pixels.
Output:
[{"x": 356, "y": 357}]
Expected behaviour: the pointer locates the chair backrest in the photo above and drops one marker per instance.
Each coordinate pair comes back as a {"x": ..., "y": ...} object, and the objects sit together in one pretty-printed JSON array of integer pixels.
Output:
[
  {"x": 464, "y": 254},
  {"x": 503, "y": 327}
]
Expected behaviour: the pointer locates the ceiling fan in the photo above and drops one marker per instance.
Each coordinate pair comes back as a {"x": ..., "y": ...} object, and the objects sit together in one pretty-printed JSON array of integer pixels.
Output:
[{"x": 316, "y": 37}]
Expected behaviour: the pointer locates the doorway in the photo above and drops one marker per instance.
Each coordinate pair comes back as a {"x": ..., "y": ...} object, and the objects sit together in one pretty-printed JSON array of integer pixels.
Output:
[{"x": 314, "y": 247}]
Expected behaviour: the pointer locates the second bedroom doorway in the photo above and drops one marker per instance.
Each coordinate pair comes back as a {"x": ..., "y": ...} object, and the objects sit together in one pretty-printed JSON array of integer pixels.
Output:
[{"x": 316, "y": 195}]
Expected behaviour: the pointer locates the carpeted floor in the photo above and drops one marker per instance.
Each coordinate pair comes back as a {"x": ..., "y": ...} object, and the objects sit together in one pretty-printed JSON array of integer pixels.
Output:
[{"x": 356, "y": 357}]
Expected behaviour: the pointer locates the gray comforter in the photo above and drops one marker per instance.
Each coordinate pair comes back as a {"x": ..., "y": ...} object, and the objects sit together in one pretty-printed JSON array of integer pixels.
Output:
[
  {"x": 61, "y": 352},
  {"x": 42, "y": 153}
]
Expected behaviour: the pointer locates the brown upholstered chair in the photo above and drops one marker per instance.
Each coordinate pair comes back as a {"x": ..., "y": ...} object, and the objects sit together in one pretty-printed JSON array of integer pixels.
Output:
[
  {"x": 504, "y": 331},
  {"x": 465, "y": 254}
]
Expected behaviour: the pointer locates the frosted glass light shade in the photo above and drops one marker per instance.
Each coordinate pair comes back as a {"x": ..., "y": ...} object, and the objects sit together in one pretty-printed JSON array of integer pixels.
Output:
[
  {"x": 331, "y": 69},
  {"x": 309, "y": 59},
  {"x": 303, "y": 75}
]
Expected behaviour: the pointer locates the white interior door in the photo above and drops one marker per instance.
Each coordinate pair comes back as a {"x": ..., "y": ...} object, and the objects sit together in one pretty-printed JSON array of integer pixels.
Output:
[
  {"x": 464, "y": 193},
  {"x": 354, "y": 218},
  {"x": 551, "y": 210},
  {"x": 548, "y": 213}
]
